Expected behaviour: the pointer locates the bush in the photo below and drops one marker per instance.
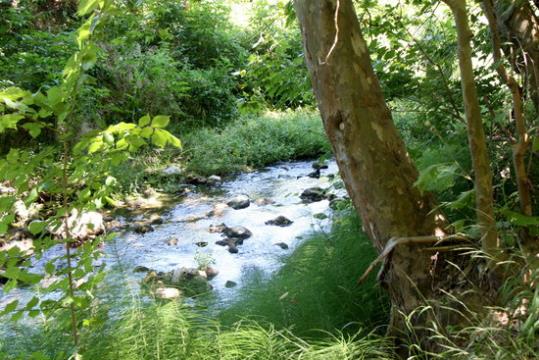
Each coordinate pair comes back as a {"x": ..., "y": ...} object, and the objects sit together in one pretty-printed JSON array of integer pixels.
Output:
[
  {"x": 276, "y": 74},
  {"x": 255, "y": 142}
]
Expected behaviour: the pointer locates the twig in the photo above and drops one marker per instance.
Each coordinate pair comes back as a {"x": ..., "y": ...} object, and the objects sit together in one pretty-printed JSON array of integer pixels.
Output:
[
  {"x": 336, "y": 40},
  {"x": 395, "y": 241}
]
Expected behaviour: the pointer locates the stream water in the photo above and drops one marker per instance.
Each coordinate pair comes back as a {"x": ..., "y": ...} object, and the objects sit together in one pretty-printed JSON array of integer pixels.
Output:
[{"x": 281, "y": 184}]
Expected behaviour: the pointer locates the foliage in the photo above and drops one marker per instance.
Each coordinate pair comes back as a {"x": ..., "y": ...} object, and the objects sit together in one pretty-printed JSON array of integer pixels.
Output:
[
  {"x": 255, "y": 142},
  {"x": 316, "y": 288},
  {"x": 78, "y": 176},
  {"x": 173, "y": 331},
  {"x": 275, "y": 73}
]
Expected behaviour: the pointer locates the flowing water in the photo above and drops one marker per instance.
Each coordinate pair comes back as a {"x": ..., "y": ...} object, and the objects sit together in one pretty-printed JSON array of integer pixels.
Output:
[{"x": 281, "y": 184}]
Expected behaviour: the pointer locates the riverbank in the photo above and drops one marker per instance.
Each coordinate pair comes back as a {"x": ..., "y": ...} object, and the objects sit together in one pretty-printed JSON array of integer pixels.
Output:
[
  {"x": 314, "y": 269},
  {"x": 210, "y": 154}
]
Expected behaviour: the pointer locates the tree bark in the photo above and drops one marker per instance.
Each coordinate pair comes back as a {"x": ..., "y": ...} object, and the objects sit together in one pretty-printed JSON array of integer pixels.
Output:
[
  {"x": 484, "y": 202},
  {"x": 520, "y": 149},
  {"x": 373, "y": 162},
  {"x": 518, "y": 25}
]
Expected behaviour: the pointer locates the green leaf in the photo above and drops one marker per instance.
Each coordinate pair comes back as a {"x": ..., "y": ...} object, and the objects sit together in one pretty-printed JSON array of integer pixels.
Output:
[
  {"x": 36, "y": 227},
  {"x": 437, "y": 177},
  {"x": 83, "y": 34},
  {"x": 144, "y": 121},
  {"x": 174, "y": 141},
  {"x": 95, "y": 146},
  {"x": 160, "y": 121},
  {"x": 54, "y": 96},
  {"x": 535, "y": 146},
  {"x": 33, "y": 128},
  {"x": 88, "y": 57},
  {"x": 85, "y": 6},
  {"x": 10, "y": 285},
  {"x": 146, "y": 132},
  {"x": 12, "y": 93},
  {"x": 16, "y": 316},
  {"x": 6, "y": 202},
  {"x": 32, "y": 303},
  {"x": 12, "y": 306},
  {"x": 108, "y": 138},
  {"x": 160, "y": 138},
  {"x": 9, "y": 121},
  {"x": 520, "y": 219},
  {"x": 50, "y": 268},
  {"x": 110, "y": 181},
  {"x": 135, "y": 141}
]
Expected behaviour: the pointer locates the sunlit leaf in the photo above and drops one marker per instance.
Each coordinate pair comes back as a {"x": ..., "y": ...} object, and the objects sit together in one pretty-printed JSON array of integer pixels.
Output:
[
  {"x": 36, "y": 227},
  {"x": 160, "y": 121},
  {"x": 85, "y": 6},
  {"x": 144, "y": 121}
]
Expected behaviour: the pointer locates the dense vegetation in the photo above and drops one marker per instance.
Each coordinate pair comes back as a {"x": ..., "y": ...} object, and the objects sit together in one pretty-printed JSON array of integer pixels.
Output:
[{"x": 98, "y": 99}]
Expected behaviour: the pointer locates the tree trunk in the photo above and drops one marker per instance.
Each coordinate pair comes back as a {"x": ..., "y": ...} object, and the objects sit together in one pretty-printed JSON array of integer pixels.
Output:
[
  {"x": 372, "y": 159},
  {"x": 484, "y": 202},
  {"x": 518, "y": 25},
  {"x": 520, "y": 149}
]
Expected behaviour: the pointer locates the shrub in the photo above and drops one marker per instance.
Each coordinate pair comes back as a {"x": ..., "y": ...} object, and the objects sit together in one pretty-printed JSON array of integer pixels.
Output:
[{"x": 255, "y": 142}]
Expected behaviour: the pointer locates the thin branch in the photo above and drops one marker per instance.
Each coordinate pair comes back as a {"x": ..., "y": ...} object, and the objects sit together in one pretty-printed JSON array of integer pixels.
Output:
[
  {"x": 336, "y": 40},
  {"x": 413, "y": 240}
]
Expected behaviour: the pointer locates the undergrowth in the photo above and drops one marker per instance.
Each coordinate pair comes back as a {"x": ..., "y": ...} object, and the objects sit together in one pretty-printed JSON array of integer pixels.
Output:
[
  {"x": 317, "y": 287},
  {"x": 255, "y": 141},
  {"x": 323, "y": 316}
]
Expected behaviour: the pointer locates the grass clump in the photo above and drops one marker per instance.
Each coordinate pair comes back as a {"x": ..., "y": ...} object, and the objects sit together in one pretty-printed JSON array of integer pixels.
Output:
[
  {"x": 255, "y": 141},
  {"x": 173, "y": 331},
  {"x": 316, "y": 288}
]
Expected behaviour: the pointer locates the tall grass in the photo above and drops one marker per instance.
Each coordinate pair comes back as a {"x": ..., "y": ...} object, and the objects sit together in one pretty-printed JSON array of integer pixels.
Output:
[
  {"x": 316, "y": 288},
  {"x": 255, "y": 141},
  {"x": 174, "y": 331},
  {"x": 319, "y": 278}
]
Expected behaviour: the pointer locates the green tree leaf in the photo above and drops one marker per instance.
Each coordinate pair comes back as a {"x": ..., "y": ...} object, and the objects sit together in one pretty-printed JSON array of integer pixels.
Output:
[
  {"x": 144, "y": 121},
  {"x": 85, "y": 6},
  {"x": 36, "y": 227},
  {"x": 159, "y": 138},
  {"x": 160, "y": 121},
  {"x": 9, "y": 121}
]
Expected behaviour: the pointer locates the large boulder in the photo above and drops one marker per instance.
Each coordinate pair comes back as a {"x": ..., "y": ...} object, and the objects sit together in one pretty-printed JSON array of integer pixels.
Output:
[
  {"x": 218, "y": 210},
  {"x": 194, "y": 179},
  {"x": 239, "y": 202},
  {"x": 167, "y": 293},
  {"x": 313, "y": 194},
  {"x": 172, "y": 170},
  {"x": 237, "y": 232},
  {"x": 214, "y": 180},
  {"x": 5, "y": 189},
  {"x": 315, "y": 174},
  {"x": 264, "y": 202},
  {"x": 81, "y": 225},
  {"x": 211, "y": 272},
  {"x": 217, "y": 228},
  {"x": 190, "y": 281},
  {"x": 319, "y": 165},
  {"x": 280, "y": 221},
  {"x": 231, "y": 243},
  {"x": 142, "y": 227}
]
